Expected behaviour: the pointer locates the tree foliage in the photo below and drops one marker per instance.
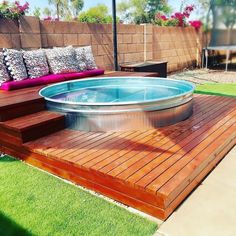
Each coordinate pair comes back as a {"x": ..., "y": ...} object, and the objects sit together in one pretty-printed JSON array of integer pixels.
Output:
[
  {"x": 141, "y": 11},
  {"x": 97, "y": 14},
  {"x": 37, "y": 12},
  {"x": 47, "y": 11},
  {"x": 67, "y": 9},
  {"x": 76, "y": 7}
]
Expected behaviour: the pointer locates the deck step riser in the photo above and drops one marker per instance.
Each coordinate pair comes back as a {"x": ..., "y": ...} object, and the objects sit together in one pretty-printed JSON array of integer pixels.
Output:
[
  {"x": 43, "y": 130},
  {"x": 31, "y": 127},
  {"x": 21, "y": 109}
]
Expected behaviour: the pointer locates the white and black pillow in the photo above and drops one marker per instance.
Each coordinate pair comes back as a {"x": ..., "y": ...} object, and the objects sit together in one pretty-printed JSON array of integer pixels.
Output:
[
  {"x": 36, "y": 63},
  {"x": 15, "y": 64},
  {"x": 62, "y": 60},
  {"x": 4, "y": 76},
  {"x": 84, "y": 56}
]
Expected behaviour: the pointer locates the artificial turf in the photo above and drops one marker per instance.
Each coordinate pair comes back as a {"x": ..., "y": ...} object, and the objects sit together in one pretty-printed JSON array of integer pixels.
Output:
[
  {"x": 35, "y": 203},
  {"x": 217, "y": 89}
]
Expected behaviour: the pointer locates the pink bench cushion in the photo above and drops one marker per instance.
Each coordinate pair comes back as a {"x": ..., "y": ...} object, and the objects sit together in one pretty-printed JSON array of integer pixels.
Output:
[{"x": 47, "y": 79}]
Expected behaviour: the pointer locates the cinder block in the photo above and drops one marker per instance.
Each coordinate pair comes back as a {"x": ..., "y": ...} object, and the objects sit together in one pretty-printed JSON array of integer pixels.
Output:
[
  {"x": 5, "y": 41},
  {"x": 100, "y": 28},
  {"x": 139, "y": 29},
  {"x": 70, "y": 39},
  {"x": 120, "y": 38},
  {"x": 44, "y": 40},
  {"x": 131, "y": 29},
  {"x": 127, "y": 38},
  {"x": 149, "y": 47},
  {"x": 107, "y": 59},
  {"x": 132, "y": 48},
  {"x": 29, "y": 24},
  {"x": 122, "y": 29},
  {"x": 84, "y": 39},
  {"x": 122, "y": 48},
  {"x": 132, "y": 57},
  {"x": 95, "y": 50},
  {"x": 149, "y": 56},
  {"x": 148, "y": 28},
  {"x": 16, "y": 42},
  {"x": 140, "y": 47},
  {"x": 101, "y": 50},
  {"x": 31, "y": 40},
  {"x": 120, "y": 58},
  {"x": 137, "y": 38},
  {"x": 99, "y": 61},
  {"x": 75, "y": 28},
  {"x": 62, "y": 27},
  {"x": 86, "y": 28},
  {"x": 107, "y": 39},
  {"x": 149, "y": 38},
  {"x": 9, "y": 26},
  {"x": 55, "y": 40},
  {"x": 47, "y": 27},
  {"x": 97, "y": 39}
]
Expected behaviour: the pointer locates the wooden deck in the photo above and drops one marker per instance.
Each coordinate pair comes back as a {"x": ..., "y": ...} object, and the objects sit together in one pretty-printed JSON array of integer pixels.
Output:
[{"x": 152, "y": 170}]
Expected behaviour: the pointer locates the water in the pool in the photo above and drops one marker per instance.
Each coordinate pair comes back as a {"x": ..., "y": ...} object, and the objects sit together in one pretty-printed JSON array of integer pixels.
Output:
[{"x": 115, "y": 94}]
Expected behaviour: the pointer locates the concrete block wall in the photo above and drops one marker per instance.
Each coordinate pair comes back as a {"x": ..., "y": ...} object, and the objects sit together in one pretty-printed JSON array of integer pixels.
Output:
[
  {"x": 9, "y": 34},
  {"x": 179, "y": 46},
  {"x": 136, "y": 43}
]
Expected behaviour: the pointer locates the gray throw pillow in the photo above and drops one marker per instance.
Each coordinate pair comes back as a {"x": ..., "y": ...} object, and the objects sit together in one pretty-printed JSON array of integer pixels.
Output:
[
  {"x": 62, "y": 60},
  {"x": 36, "y": 63},
  {"x": 85, "y": 58},
  {"x": 15, "y": 64},
  {"x": 4, "y": 76}
]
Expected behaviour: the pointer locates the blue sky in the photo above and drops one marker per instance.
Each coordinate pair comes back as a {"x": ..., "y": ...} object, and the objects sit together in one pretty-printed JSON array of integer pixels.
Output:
[{"x": 89, "y": 3}]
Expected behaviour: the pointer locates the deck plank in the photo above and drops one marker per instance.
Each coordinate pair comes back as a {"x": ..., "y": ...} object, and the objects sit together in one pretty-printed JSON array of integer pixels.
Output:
[
  {"x": 190, "y": 140},
  {"x": 158, "y": 147},
  {"x": 173, "y": 165},
  {"x": 151, "y": 170}
]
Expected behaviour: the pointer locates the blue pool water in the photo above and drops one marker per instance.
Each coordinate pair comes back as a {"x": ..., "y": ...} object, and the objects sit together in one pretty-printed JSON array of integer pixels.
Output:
[
  {"x": 115, "y": 91},
  {"x": 114, "y": 94}
]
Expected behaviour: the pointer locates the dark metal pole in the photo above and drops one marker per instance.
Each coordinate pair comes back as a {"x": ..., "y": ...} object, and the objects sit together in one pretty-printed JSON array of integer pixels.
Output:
[{"x": 114, "y": 30}]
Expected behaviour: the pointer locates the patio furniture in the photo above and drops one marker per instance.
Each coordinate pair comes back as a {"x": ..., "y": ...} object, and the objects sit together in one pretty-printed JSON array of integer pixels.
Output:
[
  {"x": 51, "y": 78},
  {"x": 228, "y": 49},
  {"x": 160, "y": 67},
  {"x": 223, "y": 32}
]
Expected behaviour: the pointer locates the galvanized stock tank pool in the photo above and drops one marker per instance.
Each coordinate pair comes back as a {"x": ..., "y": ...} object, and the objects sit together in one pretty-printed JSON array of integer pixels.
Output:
[{"x": 120, "y": 103}]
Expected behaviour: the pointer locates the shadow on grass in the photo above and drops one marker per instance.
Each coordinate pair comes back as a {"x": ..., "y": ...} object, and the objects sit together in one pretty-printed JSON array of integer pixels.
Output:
[
  {"x": 7, "y": 159},
  {"x": 10, "y": 228}
]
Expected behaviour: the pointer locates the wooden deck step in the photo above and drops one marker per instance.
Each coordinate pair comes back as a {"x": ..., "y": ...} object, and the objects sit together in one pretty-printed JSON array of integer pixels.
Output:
[
  {"x": 33, "y": 126},
  {"x": 16, "y": 106}
]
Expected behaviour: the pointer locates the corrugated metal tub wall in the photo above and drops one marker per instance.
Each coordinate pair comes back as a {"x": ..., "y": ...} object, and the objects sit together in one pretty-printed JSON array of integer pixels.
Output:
[{"x": 120, "y": 103}]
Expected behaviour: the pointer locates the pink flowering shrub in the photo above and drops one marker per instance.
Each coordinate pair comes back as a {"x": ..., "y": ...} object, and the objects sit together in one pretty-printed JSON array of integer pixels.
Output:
[
  {"x": 13, "y": 10},
  {"x": 178, "y": 19},
  {"x": 196, "y": 24},
  {"x": 49, "y": 18}
]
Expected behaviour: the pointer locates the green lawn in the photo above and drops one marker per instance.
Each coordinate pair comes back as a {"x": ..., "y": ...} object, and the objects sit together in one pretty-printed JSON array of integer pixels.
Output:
[
  {"x": 217, "y": 89},
  {"x": 35, "y": 203}
]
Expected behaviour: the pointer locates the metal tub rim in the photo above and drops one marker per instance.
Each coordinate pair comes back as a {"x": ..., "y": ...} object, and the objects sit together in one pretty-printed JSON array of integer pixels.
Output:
[{"x": 118, "y": 103}]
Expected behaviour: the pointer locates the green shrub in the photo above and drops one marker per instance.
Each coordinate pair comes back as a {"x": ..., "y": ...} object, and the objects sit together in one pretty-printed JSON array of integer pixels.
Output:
[{"x": 98, "y": 14}]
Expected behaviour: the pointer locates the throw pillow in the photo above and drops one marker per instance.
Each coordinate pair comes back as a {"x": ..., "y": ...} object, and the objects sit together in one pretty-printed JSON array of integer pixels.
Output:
[
  {"x": 36, "y": 63},
  {"x": 85, "y": 58},
  {"x": 4, "y": 76},
  {"x": 62, "y": 60},
  {"x": 15, "y": 64}
]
